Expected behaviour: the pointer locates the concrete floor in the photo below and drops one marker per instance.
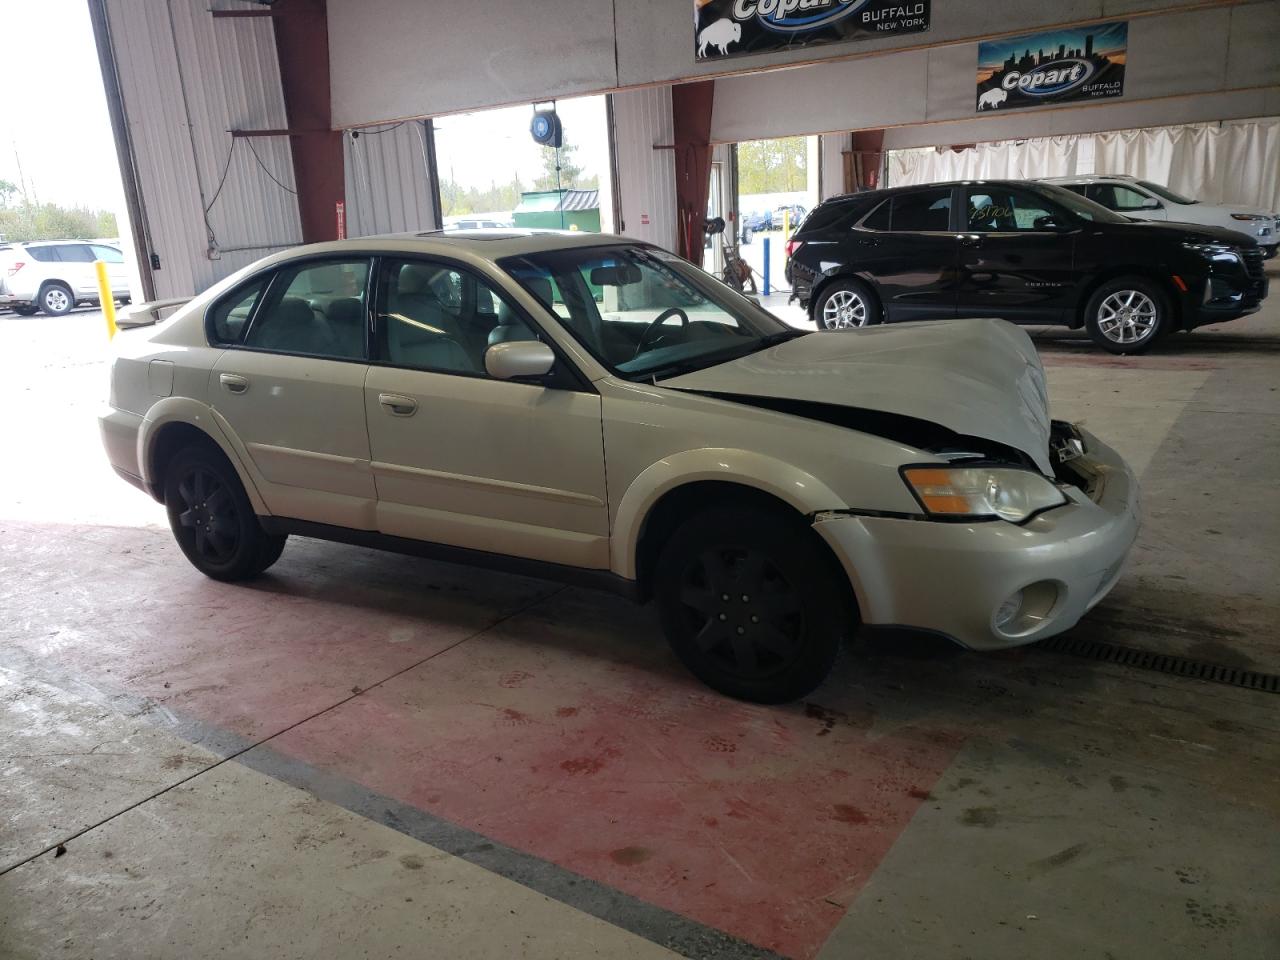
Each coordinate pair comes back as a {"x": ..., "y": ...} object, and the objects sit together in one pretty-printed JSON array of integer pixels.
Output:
[{"x": 363, "y": 755}]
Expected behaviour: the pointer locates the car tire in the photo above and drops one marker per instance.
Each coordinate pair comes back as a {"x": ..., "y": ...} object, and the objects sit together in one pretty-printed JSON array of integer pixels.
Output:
[
  {"x": 56, "y": 299},
  {"x": 845, "y": 305},
  {"x": 1127, "y": 315},
  {"x": 24, "y": 309},
  {"x": 747, "y": 234},
  {"x": 212, "y": 518},
  {"x": 779, "y": 633}
]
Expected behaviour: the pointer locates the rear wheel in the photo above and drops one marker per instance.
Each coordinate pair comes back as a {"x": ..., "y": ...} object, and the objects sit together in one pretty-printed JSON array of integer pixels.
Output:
[
  {"x": 1126, "y": 315},
  {"x": 750, "y": 604},
  {"x": 212, "y": 518},
  {"x": 56, "y": 299},
  {"x": 847, "y": 304}
]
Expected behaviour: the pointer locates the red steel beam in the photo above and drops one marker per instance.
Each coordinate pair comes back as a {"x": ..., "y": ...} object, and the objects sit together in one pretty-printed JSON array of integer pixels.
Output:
[
  {"x": 691, "y": 112},
  {"x": 302, "y": 43}
]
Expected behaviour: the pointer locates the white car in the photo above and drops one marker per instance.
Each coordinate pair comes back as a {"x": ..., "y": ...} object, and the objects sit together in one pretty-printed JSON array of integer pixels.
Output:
[
  {"x": 55, "y": 275},
  {"x": 1144, "y": 200},
  {"x": 585, "y": 407}
]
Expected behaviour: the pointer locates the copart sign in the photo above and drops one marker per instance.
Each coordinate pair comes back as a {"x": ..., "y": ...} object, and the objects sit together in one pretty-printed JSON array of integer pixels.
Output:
[
  {"x": 1057, "y": 66},
  {"x": 730, "y": 28}
]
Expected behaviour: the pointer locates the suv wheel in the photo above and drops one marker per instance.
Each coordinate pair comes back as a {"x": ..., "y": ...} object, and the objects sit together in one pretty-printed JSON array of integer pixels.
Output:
[
  {"x": 1127, "y": 315},
  {"x": 56, "y": 299},
  {"x": 750, "y": 605},
  {"x": 212, "y": 518},
  {"x": 846, "y": 304}
]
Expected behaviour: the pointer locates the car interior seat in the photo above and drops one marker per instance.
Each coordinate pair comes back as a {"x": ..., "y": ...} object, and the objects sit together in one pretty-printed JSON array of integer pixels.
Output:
[
  {"x": 347, "y": 325},
  {"x": 295, "y": 327},
  {"x": 510, "y": 327},
  {"x": 421, "y": 332}
]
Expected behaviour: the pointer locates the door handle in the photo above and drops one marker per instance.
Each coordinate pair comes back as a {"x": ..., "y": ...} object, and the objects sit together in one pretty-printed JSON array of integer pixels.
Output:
[
  {"x": 233, "y": 382},
  {"x": 398, "y": 406}
]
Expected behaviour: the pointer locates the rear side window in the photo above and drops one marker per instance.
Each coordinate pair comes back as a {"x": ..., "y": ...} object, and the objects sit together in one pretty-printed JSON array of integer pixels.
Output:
[
  {"x": 230, "y": 315},
  {"x": 825, "y": 216},
  {"x": 316, "y": 309},
  {"x": 926, "y": 211},
  {"x": 75, "y": 253},
  {"x": 879, "y": 219}
]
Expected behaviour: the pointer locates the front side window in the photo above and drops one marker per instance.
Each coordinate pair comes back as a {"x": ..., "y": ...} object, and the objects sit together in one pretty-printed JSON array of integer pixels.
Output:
[
  {"x": 1165, "y": 193},
  {"x": 1003, "y": 210},
  {"x": 314, "y": 308},
  {"x": 928, "y": 211},
  {"x": 107, "y": 254},
  {"x": 438, "y": 317},
  {"x": 645, "y": 313}
]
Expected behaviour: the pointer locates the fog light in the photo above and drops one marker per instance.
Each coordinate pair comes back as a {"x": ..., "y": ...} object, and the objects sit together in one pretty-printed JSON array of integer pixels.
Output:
[
  {"x": 1024, "y": 611},
  {"x": 1009, "y": 610}
]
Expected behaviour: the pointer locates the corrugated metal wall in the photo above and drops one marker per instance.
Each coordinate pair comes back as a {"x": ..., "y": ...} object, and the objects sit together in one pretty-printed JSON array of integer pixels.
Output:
[
  {"x": 388, "y": 186},
  {"x": 646, "y": 177},
  {"x": 186, "y": 80}
]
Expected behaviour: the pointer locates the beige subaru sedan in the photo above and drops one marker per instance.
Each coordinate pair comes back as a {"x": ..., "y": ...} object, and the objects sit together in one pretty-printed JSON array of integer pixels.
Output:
[{"x": 592, "y": 409}]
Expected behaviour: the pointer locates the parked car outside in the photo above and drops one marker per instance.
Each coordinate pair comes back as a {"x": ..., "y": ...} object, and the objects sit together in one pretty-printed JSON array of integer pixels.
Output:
[
  {"x": 789, "y": 213},
  {"x": 55, "y": 275},
  {"x": 754, "y": 222},
  {"x": 473, "y": 223},
  {"x": 454, "y": 395},
  {"x": 1144, "y": 200},
  {"x": 1027, "y": 252}
]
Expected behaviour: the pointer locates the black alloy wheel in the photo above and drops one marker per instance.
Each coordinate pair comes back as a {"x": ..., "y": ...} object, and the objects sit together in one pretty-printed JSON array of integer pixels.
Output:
[
  {"x": 212, "y": 518},
  {"x": 751, "y": 603}
]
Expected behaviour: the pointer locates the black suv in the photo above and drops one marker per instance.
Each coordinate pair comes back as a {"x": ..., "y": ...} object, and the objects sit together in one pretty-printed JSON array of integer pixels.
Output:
[{"x": 1026, "y": 252}]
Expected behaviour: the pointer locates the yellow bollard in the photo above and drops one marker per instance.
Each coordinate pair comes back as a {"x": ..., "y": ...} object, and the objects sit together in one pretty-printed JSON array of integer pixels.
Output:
[
  {"x": 105, "y": 298},
  {"x": 786, "y": 225}
]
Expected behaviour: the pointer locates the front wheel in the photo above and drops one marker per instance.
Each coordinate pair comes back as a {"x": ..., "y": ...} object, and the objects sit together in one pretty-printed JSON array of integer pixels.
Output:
[
  {"x": 847, "y": 304},
  {"x": 750, "y": 604},
  {"x": 212, "y": 518},
  {"x": 1126, "y": 315}
]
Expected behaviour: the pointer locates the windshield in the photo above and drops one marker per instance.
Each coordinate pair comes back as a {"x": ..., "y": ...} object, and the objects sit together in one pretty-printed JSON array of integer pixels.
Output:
[
  {"x": 1165, "y": 192},
  {"x": 1081, "y": 207},
  {"x": 645, "y": 313}
]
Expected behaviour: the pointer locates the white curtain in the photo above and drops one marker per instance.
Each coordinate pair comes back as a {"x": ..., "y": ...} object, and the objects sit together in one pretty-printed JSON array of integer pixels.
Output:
[{"x": 1237, "y": 161}]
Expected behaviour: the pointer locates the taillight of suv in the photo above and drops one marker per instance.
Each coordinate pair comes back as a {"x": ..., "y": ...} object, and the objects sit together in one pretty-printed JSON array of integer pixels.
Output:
[
  {"x": 16, "y": 266},
  {"x": 791, "y": 247}
]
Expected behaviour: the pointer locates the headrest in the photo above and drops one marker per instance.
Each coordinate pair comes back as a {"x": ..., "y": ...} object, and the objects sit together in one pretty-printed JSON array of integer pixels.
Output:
[
  {"x": 415, "y": 278},
  {"x": 293, "y": 311},
  {"x": 348, "y": 311}
]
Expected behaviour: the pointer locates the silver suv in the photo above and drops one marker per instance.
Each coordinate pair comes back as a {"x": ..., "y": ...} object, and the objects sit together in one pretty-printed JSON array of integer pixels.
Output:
[{"x": 55, "y": 275}]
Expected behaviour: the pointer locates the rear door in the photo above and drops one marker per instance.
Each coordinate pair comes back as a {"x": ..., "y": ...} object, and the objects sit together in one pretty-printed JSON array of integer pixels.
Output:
[
  {"x": 1014, "y": 264},
  {"x": 291, "y": 387},
  {"x": 907, "y": 248}
]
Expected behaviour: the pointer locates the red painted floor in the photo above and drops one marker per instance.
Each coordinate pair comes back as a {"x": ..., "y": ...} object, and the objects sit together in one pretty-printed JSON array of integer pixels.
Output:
[{"x": 568, "y": 732}]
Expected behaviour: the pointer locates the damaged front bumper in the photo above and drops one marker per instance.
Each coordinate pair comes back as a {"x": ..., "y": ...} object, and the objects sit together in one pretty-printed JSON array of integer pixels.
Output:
[{"x": 993, "y": 584}]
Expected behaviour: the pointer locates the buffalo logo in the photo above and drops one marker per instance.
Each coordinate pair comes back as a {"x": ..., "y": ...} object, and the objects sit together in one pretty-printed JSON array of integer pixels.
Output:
[
  {"x": 719, "y": 35},
  {"x": 1046, "y": 79},
  {"x": 795, "y": 16},
  {"x": 993, "y": 98}
]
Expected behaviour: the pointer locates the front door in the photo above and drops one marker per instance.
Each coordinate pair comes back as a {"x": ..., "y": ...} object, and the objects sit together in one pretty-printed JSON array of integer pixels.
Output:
[
  {"x": 462, "y": 459},
  {"x": 291, "y": 388},
  {"x": 907, "y": 248},
  {"x": 1015, "y": 257}
]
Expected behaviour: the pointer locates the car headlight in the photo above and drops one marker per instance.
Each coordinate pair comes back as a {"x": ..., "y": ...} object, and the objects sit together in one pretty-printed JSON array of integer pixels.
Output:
[
  {"x": 1214, "y": 251},
  {"x": 1007, "y": 493}
]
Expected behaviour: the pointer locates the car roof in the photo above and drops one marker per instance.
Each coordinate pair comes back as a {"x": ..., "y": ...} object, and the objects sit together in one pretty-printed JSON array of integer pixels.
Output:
[
  {"x": 1090, "y": 178},
  {"x": 871, "y": 195}
]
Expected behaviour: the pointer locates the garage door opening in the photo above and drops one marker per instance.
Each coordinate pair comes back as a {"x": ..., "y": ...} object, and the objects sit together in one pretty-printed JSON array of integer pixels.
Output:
[
  {"x": 778, "y": 184},
  {"x": 493, "y": 174}
]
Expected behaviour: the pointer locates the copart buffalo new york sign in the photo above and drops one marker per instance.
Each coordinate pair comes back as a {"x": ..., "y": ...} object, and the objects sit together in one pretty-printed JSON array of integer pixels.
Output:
[
  {"x": 1057, "y": 66},
  {"x": 731, "y": 28}
]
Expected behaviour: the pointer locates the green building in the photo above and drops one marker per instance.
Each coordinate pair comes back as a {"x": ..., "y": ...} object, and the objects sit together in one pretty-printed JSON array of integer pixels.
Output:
[{"x": 559, "y": 210}]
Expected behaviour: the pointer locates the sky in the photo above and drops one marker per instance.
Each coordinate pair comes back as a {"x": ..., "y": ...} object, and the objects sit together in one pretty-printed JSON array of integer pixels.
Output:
[
  {"x": 477, "y": 149},
  {"x": 54, "y": 121}
]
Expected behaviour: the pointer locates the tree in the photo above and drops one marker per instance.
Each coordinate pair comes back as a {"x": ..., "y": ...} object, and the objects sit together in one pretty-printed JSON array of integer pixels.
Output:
[
  {"x": 7, "y": 190},
  {"x": 571, "y": 175},
  {"x": 773, "y": 166},
  {"x": 48, "y": 221}
]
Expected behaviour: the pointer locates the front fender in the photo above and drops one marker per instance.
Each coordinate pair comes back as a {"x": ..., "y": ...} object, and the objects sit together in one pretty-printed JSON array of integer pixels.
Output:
[
  {"x": 193, "y": 413},
  {"x": 788, "y": 483}
]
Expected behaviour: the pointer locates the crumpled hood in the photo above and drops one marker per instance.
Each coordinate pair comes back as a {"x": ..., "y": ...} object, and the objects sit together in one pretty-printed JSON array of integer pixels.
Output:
[{"x": 978, "y": 378}]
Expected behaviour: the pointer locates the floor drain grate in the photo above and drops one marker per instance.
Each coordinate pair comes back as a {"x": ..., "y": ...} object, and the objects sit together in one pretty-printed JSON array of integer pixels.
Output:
[{"x": 1162, "y": 663}]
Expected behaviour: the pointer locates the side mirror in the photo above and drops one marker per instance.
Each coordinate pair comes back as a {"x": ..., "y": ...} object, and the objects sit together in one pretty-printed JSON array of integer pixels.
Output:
[
  {"x": 518, "y": 359},
  {"x": 1151, "y": 203},
  {"x": 1049, "y": 223}
]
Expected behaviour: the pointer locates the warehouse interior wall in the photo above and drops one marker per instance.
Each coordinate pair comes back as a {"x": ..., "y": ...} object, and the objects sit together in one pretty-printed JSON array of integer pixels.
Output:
[
  {"x": 388, "y": 179},
  {"x": 213, "y": 203},
  {"x": 1231, "y": 162},
  {"x": 644, "y": 139}
]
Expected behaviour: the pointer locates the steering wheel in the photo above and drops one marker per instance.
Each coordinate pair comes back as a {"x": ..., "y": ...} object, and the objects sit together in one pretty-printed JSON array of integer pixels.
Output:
[{"x": 662, "y": 318}]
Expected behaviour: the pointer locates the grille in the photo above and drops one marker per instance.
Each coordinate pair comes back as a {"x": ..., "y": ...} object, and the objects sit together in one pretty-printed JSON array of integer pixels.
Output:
[{"x": 1253, "y": 264}]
